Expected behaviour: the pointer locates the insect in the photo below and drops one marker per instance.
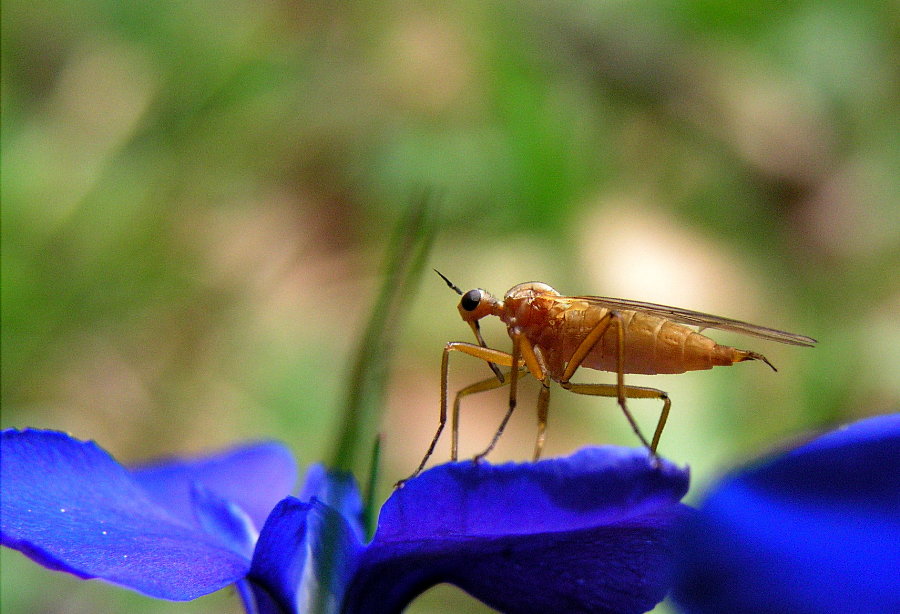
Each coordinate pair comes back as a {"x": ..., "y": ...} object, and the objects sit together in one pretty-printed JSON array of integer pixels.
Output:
[{"x": 554, "y": 335}]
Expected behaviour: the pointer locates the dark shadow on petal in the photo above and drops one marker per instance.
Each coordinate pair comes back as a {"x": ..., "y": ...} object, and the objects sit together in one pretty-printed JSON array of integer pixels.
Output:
[{"x": 617, "y": 569}]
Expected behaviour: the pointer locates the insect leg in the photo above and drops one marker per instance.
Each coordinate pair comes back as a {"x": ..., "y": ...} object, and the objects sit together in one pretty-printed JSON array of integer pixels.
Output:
[
  {"x": 534, "y": 360},
  {"x": 632, "y": 392},
  {"x": 613, "y": 317},
  {"x": 513, "y": 389},
  {"x": 588, "y": 344},
  {"x": 490, "y": 383},
  {"x": 522, "y": 352},
  {"x": 542, "y": 409},
  {"x": 487, "y": 354}
]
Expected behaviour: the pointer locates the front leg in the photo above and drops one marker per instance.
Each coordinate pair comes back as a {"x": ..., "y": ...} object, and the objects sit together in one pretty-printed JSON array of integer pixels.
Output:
[
  {"x": 524, "y": 353},
  {"x": 491, "y": 383},
  {"x": 486, "y": 354}
]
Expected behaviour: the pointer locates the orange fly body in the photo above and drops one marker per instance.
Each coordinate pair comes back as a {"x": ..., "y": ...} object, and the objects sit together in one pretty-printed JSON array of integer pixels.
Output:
[{"x": 554, "y": 335}]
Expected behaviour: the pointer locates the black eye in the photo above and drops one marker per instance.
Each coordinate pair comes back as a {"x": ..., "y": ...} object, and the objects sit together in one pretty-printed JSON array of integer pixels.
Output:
[{"x": 470, "y": 300}]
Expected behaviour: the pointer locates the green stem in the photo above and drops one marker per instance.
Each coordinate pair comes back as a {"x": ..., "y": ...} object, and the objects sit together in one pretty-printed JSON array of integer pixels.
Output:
[{"x": 369, "y": 373}]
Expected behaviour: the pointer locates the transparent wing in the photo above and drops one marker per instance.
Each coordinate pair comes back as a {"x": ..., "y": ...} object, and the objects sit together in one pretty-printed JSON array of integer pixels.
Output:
[{"x": 694, "y": 318}]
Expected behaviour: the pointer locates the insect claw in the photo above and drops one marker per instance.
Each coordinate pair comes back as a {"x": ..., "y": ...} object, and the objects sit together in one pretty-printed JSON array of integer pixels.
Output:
[{"x": 756, "y": 356}]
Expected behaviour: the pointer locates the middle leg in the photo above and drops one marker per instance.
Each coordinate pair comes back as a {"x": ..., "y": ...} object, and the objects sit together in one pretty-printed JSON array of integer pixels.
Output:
[
  {"x": 612, "y": 318},
  {"x": 486, "y": 354},
  {"x": 543, "y": 407},
  {"x": 533, "y": 362}
]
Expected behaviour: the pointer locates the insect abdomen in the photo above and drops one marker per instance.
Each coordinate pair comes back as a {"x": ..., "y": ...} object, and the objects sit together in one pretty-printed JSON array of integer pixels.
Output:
[{"x": 656, "y": 345}]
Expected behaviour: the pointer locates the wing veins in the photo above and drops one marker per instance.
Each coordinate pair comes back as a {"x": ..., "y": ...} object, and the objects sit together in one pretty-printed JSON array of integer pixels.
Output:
[{"x": 695, "y": 318}]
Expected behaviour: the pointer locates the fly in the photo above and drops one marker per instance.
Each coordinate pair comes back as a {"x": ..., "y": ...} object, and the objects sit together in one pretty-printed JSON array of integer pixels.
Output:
[{"x": 554, "y": 335}]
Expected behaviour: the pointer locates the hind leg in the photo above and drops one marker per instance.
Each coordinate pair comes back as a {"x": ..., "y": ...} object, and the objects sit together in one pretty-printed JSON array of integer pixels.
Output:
[{"x": 631, "y": 392}]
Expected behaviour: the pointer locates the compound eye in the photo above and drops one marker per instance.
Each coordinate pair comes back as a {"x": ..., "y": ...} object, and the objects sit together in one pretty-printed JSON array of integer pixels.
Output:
[{"x": 470, "y": 300}]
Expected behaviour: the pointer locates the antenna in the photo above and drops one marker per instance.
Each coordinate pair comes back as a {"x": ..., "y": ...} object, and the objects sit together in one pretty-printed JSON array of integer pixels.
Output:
[{"x": 449, "y": 283}]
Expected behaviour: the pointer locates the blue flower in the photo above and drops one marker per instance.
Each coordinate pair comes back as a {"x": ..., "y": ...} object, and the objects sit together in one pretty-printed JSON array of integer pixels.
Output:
[
  {"x": 175, "y": 531},
  {"x": 587, "y": 533},
  {"x": 814, "y": 530}
]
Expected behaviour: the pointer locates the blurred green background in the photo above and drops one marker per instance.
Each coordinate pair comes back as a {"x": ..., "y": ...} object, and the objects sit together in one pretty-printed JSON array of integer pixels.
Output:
[{"x": 196, "y": 197}]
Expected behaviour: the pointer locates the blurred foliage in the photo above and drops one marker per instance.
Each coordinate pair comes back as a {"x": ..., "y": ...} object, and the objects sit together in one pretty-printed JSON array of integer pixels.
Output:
[
  {"x": 196, "y": 196},
  {"x": 369, "y": 374}
]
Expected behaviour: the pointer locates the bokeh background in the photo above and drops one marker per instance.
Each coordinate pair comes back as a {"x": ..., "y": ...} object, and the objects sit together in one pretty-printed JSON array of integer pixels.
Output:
[{"x": 197, "y": 197}]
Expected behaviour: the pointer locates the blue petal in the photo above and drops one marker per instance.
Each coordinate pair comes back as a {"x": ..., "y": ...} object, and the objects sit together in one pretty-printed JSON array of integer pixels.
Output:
[
  {"x": 225, "y": 520},
  {"x": 816, "y": 530},
  {"x": 254, "y": 477},
  {"x": 858, "y": 465},
  {"x": 338, "y": 490},
  {"x": 70, "y": 506},
  {"x": 590, "y": 532},
  {"x": 305, "y": 557}
]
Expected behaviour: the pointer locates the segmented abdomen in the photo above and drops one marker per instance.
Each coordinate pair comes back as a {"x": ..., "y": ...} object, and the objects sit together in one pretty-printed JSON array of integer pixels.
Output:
[{"x": 652, "y": 344}]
